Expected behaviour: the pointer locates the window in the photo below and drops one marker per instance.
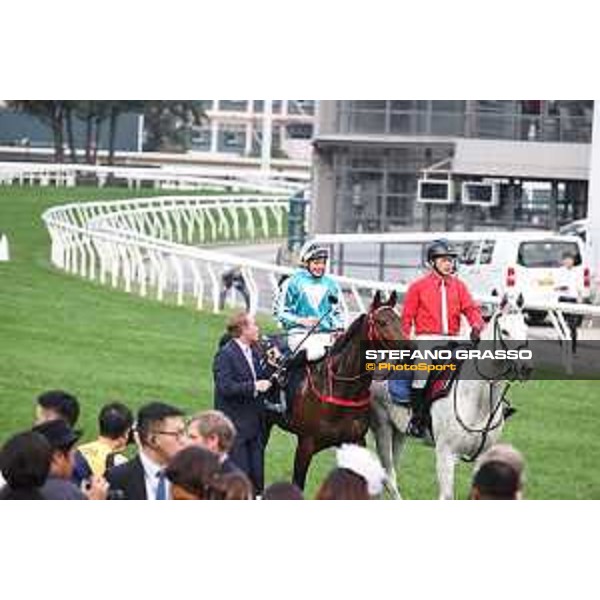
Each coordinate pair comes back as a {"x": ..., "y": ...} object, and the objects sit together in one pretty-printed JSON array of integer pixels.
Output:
[
  {"x": 467, "y": 252},
  {"x": 546, "y": 254},
  {"x": 233, "y": 105},
  {"x": 487, "y": 251},
  {"x": 404, "y": 105},
  {"x": 448, "y": 106},
  {"x": 299, "y": 131}
]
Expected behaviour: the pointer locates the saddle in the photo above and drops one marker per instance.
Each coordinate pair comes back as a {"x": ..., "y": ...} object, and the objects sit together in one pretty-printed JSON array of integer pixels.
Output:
[{"x": 439, "y": 383}]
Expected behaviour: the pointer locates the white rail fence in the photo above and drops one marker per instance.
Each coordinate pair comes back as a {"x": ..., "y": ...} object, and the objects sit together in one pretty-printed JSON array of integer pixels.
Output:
[
  {"x": 167, "y": 178},
  {"x": 148, "y": 246}
]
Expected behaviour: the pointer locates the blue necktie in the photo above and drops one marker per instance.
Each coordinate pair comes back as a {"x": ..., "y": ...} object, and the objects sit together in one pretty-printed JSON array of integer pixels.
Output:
[{"x": 161, "y": 490}]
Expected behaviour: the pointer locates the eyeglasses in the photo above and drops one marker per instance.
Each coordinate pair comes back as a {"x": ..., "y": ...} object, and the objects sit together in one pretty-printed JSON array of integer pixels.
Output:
[{"x": 179, "y": 435}]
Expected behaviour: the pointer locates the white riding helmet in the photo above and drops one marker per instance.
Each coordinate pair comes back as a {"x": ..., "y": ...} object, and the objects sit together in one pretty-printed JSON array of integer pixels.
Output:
[{"x": 313, "y": 251}]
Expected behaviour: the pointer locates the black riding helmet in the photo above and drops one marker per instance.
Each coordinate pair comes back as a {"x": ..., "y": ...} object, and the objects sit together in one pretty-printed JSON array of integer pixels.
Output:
[{"x": 440, "y": 248}]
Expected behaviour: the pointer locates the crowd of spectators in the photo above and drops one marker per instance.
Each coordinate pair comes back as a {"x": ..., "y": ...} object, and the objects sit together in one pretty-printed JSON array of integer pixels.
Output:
[
  {"x": 162, "y": 454},
  {"x": 174, "y": 458}
]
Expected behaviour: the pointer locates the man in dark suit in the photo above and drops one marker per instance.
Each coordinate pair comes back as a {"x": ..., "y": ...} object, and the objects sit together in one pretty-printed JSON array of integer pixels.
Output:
[
  {"x": 239, "y": 381},
  {"x": 161, "y": 433}
]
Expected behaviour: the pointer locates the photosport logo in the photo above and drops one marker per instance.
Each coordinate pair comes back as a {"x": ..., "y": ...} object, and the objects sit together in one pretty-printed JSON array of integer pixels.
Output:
[{"x": 489, "y": 359}]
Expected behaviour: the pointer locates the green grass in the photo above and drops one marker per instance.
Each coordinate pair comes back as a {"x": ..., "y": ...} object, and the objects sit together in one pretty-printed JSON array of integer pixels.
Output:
[{"x": 61, "y": 331}]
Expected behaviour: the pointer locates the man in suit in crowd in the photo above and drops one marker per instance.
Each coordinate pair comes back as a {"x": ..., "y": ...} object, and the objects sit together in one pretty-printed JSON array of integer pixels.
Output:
[
  {"x": 239, "y": 381},
  {"x": 161, "y": 434},
  {"x": 214, "y": 431}
]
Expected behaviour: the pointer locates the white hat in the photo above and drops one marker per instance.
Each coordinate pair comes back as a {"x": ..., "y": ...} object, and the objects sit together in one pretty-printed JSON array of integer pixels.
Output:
[{"x": 364, "y": 463}]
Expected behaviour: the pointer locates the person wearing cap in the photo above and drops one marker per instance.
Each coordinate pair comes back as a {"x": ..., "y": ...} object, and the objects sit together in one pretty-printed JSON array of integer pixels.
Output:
[
  {"x": 59, "y": 404},
  {"x": 432, "y": 310},
  {"x": 569, "y": 288},
  {"x": 310, "y": 299},
  {"x": 115, "y": 423},
  {"x": 58, "y": 485}
]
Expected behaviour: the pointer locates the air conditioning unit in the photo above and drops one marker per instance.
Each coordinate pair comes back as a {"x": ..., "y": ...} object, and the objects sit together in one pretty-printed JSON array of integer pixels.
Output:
[
  {"x": 435, "y": 191},
  {"x": 479, "y": 193}
]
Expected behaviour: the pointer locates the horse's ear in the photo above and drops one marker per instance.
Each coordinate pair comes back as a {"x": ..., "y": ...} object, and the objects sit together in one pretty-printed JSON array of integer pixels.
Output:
[
  {"x": 393, "y": 299},
  {"x": 376, "y": 303},
  {"x": 520, "y": 302},
  {"x": 494, "y": 292}
]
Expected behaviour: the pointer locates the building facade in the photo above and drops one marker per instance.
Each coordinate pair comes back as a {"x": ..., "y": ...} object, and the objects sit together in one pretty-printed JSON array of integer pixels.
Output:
[
  {"x": 377, "y": 162},
  {"x": 236, "y": 127}
]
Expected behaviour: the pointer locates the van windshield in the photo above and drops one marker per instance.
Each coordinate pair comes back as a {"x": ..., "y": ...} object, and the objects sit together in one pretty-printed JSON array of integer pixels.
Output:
[{"x": 543, "y": 254}]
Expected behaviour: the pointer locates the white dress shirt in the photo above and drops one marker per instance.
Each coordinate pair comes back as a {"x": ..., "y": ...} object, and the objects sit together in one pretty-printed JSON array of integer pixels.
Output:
[
  {"x": 151, "y": 473},
  {"x": 444, "y": 303},
  {"x": 247, "y": 351}
]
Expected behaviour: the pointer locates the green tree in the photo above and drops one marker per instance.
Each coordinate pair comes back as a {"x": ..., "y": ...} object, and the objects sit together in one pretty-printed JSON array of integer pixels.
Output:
[
  {"x": 168, "y": 122},
  {"x": 50, "y": 112},
  {"x": 115, "y": 109},
  {"x": 92, "y": 113}
]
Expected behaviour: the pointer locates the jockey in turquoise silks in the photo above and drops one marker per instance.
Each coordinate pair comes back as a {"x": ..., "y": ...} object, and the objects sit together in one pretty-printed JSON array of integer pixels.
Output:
[{"x": 307, "y": 297}]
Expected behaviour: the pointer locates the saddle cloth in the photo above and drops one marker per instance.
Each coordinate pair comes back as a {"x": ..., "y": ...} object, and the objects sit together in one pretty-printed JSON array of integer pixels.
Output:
[{"x": 439, "y": 383}]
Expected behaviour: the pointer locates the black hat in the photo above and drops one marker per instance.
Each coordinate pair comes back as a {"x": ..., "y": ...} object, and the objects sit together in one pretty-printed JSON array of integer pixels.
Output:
[
  {"x": 440, "y": 248},
  {"x": 59, "y": 435}
]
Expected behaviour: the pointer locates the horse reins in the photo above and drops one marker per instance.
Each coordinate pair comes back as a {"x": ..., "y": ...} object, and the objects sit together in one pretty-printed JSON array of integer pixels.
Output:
[
  {"x": 489, "y": 425},
  {"x": 364, "y": 400}
]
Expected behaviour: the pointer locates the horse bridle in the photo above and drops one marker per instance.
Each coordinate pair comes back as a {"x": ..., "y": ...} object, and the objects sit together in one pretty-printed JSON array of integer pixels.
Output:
[
  {"x": 492, "y": 381},
  {"x": 498, "y": 338},
  {"x": 372, "y": 336}
]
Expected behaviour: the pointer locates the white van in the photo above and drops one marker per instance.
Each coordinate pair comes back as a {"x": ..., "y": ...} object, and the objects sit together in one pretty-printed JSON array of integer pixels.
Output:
[
  {"x": 520, "y": 262},
  {"x": 580, "y": 228}
]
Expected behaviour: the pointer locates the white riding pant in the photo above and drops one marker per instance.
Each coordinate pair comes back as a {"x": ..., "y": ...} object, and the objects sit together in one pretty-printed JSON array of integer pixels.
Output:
[
  {"x": 315, "y": 344},
  {"x": 420, "y": 379}
]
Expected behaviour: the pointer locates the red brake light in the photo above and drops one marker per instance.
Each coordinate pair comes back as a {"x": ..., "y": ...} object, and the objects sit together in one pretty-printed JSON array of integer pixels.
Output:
[
  {"x": 587, "y": 281},
  {"x": 511, "y": 277}
]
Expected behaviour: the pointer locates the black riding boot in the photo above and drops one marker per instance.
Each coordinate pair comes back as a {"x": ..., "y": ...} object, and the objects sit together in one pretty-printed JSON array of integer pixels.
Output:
[
  {"x": 418, "y": 422},
  {"x": 290, "y": 380}
]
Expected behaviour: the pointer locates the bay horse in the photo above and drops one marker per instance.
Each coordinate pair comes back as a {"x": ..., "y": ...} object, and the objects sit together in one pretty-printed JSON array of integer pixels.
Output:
[
  {"x": 470, "y": 418},
  {"x": 331, "y": 404}
]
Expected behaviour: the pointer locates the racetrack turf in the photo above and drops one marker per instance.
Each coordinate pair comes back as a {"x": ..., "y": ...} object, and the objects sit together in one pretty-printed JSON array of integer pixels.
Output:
[{"x": 62, "y": 331}]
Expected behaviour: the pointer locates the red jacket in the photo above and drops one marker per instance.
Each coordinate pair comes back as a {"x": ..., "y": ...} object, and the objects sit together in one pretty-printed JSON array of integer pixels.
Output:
[{"x": 423, "y": 306}]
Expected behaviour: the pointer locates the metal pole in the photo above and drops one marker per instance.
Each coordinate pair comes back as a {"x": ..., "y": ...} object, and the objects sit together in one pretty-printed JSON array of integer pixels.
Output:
[
  {"x": 140, "y": 133},
  {"x": 267, "y": 131},
  {"x": 593, "y": 235}
]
